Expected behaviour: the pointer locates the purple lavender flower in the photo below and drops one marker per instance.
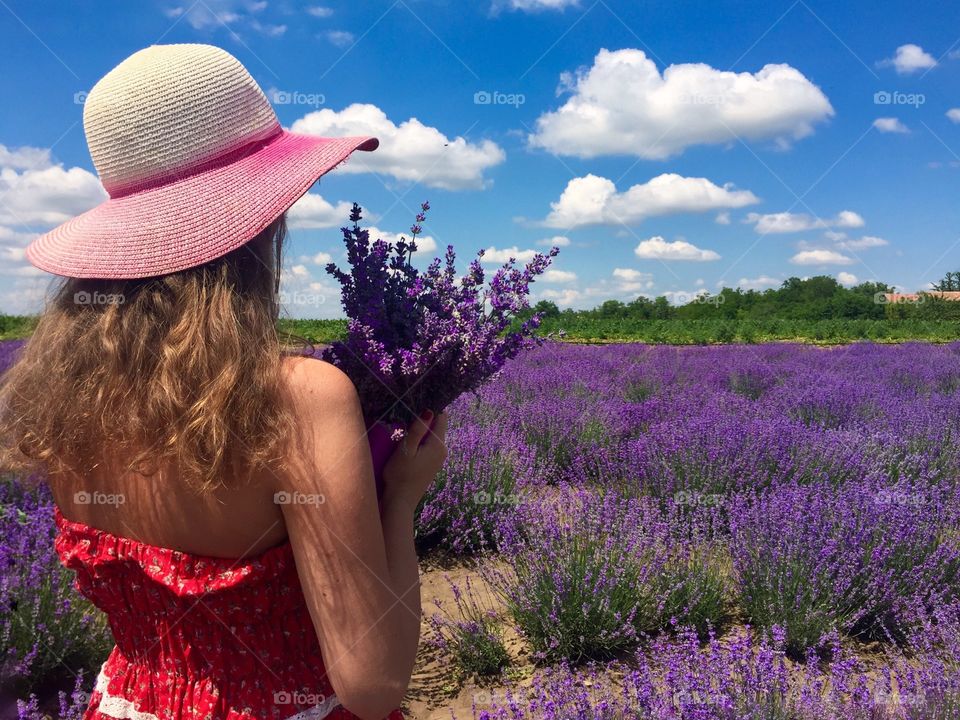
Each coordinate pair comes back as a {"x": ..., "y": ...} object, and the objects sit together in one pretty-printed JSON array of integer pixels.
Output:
[{"x": 417, "y": 341}]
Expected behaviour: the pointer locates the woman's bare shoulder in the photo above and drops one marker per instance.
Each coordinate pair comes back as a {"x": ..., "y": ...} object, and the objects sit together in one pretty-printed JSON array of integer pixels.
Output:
[{"x": 315, "y": 376}]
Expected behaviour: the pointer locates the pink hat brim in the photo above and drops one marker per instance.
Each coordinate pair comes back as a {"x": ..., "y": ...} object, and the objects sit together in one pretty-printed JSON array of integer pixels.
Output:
[{"x": 195, "y": 219}]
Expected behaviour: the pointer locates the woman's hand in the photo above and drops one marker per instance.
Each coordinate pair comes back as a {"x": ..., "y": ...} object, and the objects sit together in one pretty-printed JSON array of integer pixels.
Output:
[{"x": 415, "y": 461}]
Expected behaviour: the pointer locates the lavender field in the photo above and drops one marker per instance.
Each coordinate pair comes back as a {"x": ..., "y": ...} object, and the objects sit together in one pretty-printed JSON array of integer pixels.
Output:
[{"x": 632, "y": 531}]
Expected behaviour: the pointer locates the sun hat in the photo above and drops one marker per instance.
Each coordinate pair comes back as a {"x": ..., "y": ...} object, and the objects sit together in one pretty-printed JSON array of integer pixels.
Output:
[{"x": 195, "y": 163}]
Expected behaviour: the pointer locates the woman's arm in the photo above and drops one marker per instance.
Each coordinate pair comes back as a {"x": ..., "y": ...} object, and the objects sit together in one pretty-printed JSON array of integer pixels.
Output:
[{"x": 358, "y": 566}]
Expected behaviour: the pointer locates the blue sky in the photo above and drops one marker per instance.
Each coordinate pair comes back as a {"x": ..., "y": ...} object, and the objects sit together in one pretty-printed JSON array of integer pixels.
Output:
[{"x": 673, "y": 147}]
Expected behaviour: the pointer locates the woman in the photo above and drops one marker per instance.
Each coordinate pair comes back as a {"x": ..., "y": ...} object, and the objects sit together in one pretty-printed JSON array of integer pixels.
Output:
[{"x": 215, "y": 494}]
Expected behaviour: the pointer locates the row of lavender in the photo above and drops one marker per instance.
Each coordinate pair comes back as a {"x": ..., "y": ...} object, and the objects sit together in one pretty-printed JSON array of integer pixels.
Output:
[{"x": 626, "y": 495}]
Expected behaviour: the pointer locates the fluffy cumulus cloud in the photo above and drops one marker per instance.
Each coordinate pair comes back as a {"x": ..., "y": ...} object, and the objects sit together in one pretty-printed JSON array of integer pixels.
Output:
[
  {"x": 623, "y": 283},
  {"x": 558, "y": 276},
  {"x": 954, "y": 115},
  {"x": 761, "y": 282},
  {"x": 623, "y": 105},
  {"x": 787, "y": 222},
  {"x": 890, "y": 125},
  {"x": 555, "y": 241},
  {"x": 631, "y": 281},
  {"x": 909, "y": 59},
  {"x": 495, "y": 256},
  {"x": 312, "y": 211},
  {"x": 410, "y": 151},
  {"x": 594, "y": 200},
  {"x": 425, "y": 243},
  {"x": 820, "y": 257},
  {"x": 36, "y": 193},
  {"x": 656, "y": 248},
  {"x": 848, "y": 279}
]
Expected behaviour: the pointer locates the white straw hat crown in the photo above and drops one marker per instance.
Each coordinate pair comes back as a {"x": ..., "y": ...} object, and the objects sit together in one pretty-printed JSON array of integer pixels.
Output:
[{"x": 170, "y": 109}]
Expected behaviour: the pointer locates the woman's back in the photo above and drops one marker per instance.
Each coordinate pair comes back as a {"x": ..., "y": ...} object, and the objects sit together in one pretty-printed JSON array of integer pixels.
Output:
[{"x": 240, "y": 517}]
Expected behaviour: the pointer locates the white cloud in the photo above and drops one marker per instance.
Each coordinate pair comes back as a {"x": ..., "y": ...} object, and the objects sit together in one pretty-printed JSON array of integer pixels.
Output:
[
  {"x": 820, "y": 257},
  {"x": 534, "y": 5},
  {"x": 321, "y": 258},
  {"x": 339, "y": 38},
  {"x": 37, "y": 192},
  {"x": 908, "y": 59},
  {"x": 212, "y": 14},
  {"x": 563, "y": 298},
  {"x": 493, "y": 256},
  {"x": 863, "y": 243},
  {"x": 656, "y": 248},
  {"x": 622, "y": 105},
  {"x": 409, "y": 151},
  {"x": 890, "y": 125},
  {"x": 631, "y": 281},
  {"x": 300, "y": 271},
  {"x": 722, "y": 218},
  {"x": 954, "y": 114},
  {"x": 558, "y": 276},
  {"x": 760, "y": 282},
  {"x": 320, "y": 11},
  {"x": 848, "y": 219},
  {"x": 555, "y": 241},
  {"x": 593, "y": 200},
  {"x": 845, "y": 278},
  {"x": 425, "y": 243},
  {"x": 787, "y": 222},
  {"x": 268, "y": 29},
  {"x": 312, "y": 211},
  {"x": 24, "y": 158}
]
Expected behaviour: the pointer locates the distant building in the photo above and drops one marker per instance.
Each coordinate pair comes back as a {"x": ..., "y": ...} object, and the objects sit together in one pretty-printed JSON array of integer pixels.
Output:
[{"x": 916, "y": 297}]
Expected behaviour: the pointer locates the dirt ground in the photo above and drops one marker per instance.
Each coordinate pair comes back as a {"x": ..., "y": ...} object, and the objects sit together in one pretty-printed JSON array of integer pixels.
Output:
[{"x": 435, "y": 690}]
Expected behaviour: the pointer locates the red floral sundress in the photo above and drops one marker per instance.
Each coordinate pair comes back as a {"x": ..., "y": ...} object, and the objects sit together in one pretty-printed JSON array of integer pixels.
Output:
[{"x": 199, "y": 638}]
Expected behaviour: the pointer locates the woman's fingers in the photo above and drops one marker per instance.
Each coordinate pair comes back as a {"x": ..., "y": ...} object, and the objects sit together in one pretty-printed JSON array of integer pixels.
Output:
[
  {"x": 416, "y": 432},
  {"x": 438, "y": 434}
]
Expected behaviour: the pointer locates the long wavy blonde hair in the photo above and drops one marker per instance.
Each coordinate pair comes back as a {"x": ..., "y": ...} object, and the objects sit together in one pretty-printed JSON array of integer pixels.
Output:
[{"x": 181, "y": 368}]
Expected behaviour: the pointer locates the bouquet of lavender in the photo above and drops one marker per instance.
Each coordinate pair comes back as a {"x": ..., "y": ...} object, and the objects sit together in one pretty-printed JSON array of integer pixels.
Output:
[{"x": 416, "y": 341}]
